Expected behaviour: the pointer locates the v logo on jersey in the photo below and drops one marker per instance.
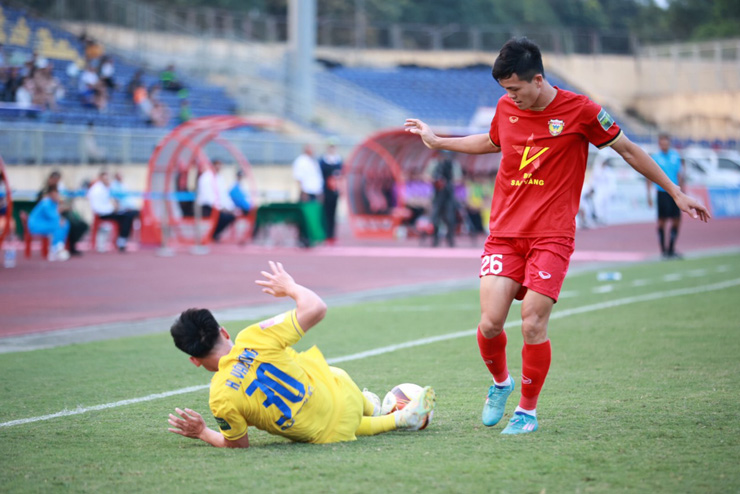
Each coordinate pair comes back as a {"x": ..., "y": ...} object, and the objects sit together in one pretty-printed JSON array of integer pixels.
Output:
[{"x": 530, "y": 153}]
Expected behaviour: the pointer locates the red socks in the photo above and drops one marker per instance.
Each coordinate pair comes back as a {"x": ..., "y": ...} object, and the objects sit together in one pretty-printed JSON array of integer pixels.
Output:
[
  {"x": 535, "y": 365},
  {"x": 493, "y": 352}
]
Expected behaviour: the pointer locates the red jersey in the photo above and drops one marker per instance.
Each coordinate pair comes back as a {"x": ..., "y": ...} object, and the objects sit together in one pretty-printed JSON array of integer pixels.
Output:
[{"x": 543, "y": 163}]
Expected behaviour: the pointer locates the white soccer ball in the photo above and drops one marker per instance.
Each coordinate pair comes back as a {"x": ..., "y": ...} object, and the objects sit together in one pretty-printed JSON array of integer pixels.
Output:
[{"x": 399, "y": 396}]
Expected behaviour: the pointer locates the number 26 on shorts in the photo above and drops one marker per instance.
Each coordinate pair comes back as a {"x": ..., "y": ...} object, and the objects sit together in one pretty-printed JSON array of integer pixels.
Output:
[{"x": 492, "y": 264}]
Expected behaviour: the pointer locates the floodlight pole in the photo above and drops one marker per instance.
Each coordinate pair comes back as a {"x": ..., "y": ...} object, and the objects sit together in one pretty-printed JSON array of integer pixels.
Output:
[{"x": 301, "y": 48}]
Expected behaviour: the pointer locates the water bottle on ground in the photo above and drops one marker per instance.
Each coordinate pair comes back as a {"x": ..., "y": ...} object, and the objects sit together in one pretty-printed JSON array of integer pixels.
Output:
[{"x": 9, "y": 252}]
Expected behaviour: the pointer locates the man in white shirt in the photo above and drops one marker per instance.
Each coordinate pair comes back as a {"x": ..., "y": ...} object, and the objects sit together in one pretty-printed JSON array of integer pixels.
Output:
[
  {"x": 213, "y": 193},
  {"x": 105, "y": 207},
  {"x": 307, "y": 172}
]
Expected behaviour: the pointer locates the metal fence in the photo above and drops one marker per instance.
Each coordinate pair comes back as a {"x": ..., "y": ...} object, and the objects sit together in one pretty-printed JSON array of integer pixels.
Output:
[
  {"x": 353, "y": 32},
  {"x": 39, "y": 144}
]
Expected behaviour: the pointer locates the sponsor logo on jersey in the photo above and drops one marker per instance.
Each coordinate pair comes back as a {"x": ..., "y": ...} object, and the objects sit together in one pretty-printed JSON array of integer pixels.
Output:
[
  {"x": 513, "y": 119},
  {"x": 222, "y": 424},
  {"x": 605, "y": 119},
  {"x": 530, "y": 153},
  {"x": 555, "y": 126}
]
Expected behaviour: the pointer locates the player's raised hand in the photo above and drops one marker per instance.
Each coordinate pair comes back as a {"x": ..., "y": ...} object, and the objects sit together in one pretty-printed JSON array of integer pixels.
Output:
[
  {"x": 189, "y": 424},
  {"x": 693, "y": 207},
  {"x": 416, "y": 126},
  {"x": 278, "y": 283}
]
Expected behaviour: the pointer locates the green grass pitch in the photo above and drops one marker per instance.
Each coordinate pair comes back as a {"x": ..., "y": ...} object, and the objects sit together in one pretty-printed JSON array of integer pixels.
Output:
[{"x": 642, "y": 396}]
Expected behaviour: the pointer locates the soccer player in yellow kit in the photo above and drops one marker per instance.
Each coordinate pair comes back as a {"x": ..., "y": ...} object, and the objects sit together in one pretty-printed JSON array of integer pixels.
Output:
[{"x": 261, "y": 381}]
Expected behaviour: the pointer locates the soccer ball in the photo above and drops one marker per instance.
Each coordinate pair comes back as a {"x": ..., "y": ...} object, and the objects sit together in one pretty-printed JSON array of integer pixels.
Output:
[{"x": 399, "y": 396}]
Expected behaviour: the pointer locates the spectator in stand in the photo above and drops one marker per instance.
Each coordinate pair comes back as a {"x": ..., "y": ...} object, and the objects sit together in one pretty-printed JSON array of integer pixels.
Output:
[
  {"x": 77, "y": 226},
  {"x": 160, "y": 114},
  {"x": 48, "y": 89},
  {"x": 212, "y": 194},
  {"x": 106, "y": 71},
  {"x": 142, "y": 102},
  {"x": 91, "y": 90},
  {"x": 106, "y": 207},
  {"x": 154, "y": 92},
  {"x": 24, "y": 94},
  {"x": 13, "y": 82},
  {"x": 136, "y": 81},
  {"x": 45, "y": 219},
  {"x": 185, "y": 113},
  {"x": 169, "y": 79},
  {"x": 93, "y": 50}
]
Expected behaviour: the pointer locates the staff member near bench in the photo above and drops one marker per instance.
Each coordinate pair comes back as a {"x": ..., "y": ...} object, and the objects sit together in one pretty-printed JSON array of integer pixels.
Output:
[
  {"x": 214, "y": 194},
  {"x": 106, "y": 207}
]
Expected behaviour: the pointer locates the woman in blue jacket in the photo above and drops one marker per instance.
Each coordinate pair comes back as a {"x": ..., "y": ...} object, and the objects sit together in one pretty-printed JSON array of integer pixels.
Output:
[{"x": 46, "y": 220}]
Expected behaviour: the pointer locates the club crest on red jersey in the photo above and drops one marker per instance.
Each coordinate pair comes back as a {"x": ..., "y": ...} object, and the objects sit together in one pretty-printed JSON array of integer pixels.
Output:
[
  {"x": 555, "y": 126},
  {"x": 513, "y": 119}
]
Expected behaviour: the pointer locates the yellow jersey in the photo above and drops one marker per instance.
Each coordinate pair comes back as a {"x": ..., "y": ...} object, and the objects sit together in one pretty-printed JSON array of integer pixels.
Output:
[{"x": 264, "y": 383}]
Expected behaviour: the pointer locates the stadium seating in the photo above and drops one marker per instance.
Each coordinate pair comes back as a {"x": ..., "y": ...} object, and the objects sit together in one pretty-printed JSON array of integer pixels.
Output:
[
  {"x": 23, "y": 35},
  {"x": 447, "y": 97}
]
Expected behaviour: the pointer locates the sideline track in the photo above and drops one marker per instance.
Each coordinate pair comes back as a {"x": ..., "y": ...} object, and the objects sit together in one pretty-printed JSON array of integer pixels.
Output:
[{"x": 409, "y": 344}]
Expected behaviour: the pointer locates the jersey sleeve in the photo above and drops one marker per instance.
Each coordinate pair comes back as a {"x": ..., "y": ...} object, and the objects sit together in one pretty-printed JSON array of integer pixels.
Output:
[
  {"x": 493, "y": 132},
  {"x": 600, "y": 128},
  {"x": 276, "y": 332},
  {"x": 231, "y": 422}
]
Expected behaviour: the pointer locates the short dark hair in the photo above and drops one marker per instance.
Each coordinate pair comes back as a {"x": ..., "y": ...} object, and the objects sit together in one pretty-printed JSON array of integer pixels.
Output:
[
  {"x": 195, "y": 332},
  {"x": 518, "y": 56}
]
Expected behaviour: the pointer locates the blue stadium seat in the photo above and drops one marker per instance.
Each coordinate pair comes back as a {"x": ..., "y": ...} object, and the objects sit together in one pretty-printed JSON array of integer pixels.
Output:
[{"x": 120, "y": 112}]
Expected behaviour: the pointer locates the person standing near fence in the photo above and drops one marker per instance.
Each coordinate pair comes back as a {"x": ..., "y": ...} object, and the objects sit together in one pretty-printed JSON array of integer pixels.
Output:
[
  {"x": 307, "y": 173},
  {"x": 331, "y": 170},
  {"x": 671, "y": 163},
  {"x": 213, "y": 194},
  {"x": 444, "y": 172}
]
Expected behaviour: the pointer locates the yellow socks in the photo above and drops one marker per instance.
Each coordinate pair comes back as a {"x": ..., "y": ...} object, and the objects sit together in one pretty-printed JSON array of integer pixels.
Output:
[{"x": 376, "y": 425}]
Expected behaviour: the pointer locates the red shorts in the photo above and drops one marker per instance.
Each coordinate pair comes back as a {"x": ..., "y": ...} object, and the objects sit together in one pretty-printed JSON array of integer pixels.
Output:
[{"x": 539, "y": 264}]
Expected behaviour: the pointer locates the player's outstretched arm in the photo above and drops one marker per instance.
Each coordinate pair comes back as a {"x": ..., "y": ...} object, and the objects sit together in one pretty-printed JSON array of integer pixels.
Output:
[
  {"x": 191, "y": 424},
  {"x": 644, "y": 164},
  {"x": 310, "y": 308},
  {"x": 472, "y": 144}
]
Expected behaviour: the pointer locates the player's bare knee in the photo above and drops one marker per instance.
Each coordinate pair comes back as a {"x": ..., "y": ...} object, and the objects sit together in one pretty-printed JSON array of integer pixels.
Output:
[
  {"x": 534, "y": 327},
  {"x": 490, "y": 328}
]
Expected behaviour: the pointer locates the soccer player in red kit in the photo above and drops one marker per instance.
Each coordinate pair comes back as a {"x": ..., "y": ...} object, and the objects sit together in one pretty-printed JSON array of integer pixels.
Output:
[{"x": 543, "y": 133}]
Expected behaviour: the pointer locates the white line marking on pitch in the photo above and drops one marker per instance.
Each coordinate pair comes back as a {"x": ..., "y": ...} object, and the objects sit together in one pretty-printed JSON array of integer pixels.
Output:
[{"x": 400, "y": 346}]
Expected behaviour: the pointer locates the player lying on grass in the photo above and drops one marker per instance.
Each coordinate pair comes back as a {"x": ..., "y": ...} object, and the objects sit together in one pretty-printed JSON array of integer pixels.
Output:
[{"x": 261, "y": 381}]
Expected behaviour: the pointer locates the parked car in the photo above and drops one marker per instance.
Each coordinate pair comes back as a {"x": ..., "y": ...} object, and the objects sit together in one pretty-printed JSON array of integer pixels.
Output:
[{"x": 705, "y": 166}]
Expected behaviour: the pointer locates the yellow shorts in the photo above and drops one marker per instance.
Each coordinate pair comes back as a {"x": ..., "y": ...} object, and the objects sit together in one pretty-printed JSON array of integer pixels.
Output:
[{"x": 349, "y": 404}]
